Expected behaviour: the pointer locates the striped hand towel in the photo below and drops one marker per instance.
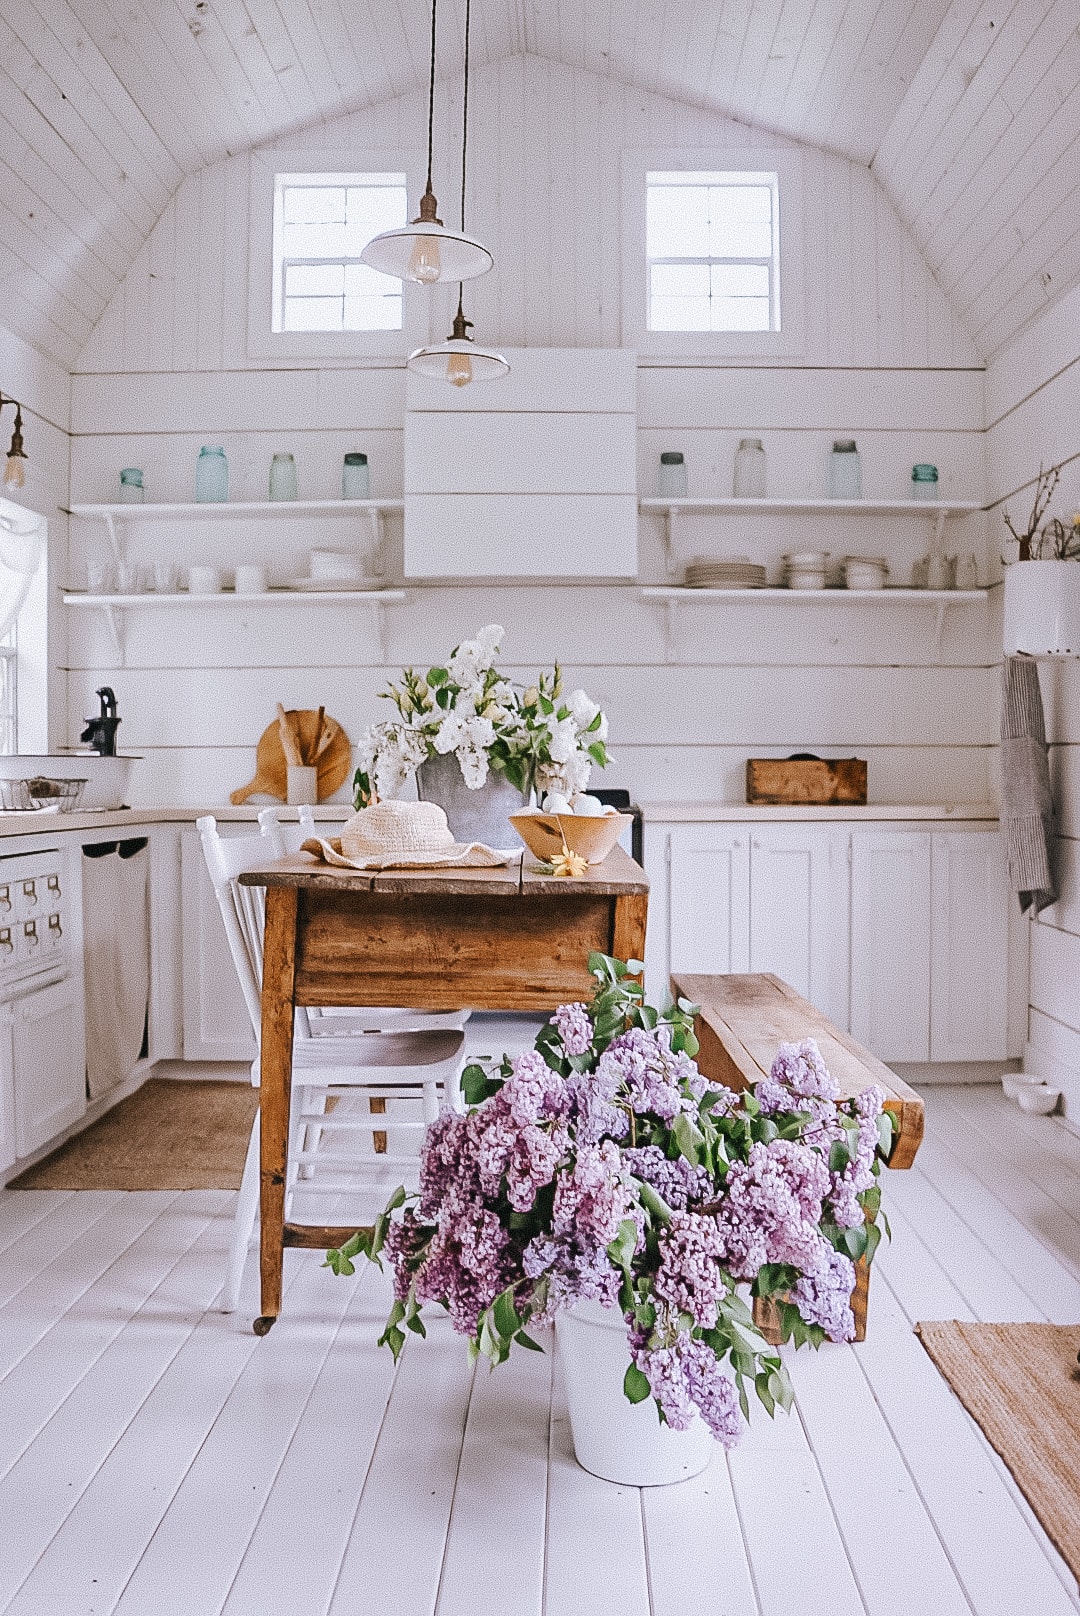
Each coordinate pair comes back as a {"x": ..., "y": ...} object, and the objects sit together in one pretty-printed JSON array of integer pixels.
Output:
[{"x": 1027, "y": 804}]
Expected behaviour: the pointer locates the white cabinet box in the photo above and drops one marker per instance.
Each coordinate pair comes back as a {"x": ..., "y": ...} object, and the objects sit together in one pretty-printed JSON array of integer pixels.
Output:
[{"x": 899, "y": 935}]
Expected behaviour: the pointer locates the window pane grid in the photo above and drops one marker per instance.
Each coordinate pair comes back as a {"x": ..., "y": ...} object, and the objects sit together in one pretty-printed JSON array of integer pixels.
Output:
[
  {"x": 712, "y": 251},
  {"x": 322, "y": 222}
]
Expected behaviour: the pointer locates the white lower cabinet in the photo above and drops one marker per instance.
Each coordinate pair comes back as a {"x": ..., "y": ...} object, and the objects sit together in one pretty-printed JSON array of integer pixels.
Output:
[
  {"x": 699, "y": 902},
  {"x": 969, "y": 940},
  {"x": 216, "y": 1023},
  {"x": 798, "y": 911},
  {"x": 43, "y": 1062},
  {"x": 890, "y": 943},
  {"x": 900, "y": 935}
]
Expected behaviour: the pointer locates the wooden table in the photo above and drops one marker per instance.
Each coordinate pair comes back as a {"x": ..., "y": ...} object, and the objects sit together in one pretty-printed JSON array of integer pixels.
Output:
[{"x": 485, "y": 939}]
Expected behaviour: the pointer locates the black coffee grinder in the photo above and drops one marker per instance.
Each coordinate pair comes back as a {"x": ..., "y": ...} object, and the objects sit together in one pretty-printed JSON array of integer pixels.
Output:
[{"x": 100, "y": 732}]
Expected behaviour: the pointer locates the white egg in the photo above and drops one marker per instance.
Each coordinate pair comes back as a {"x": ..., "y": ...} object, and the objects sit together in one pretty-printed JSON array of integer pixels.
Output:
[
  {"x": 591, "y": 807},
  {"x": 556, "y": 803}
]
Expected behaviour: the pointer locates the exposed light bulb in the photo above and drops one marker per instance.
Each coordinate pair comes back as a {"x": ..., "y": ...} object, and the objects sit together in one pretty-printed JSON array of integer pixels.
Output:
[
  {"x": 425, "y": 264},
  {"x": 459, "y": 369},
  {"x": 14, "y": 476}
]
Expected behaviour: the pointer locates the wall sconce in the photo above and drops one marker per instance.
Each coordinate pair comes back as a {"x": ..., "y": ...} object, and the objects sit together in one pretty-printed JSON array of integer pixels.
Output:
[{"x": 14, "y": 472}]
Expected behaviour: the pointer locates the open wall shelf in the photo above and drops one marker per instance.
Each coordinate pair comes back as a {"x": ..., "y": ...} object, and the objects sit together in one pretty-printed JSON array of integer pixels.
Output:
[{"x": 117, "y": 516}]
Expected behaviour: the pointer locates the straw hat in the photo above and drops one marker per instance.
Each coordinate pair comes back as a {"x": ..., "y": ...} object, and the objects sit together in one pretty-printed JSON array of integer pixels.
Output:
[
  {"x": 390, "y": 829},
  {"x": 390, "y": 834}
]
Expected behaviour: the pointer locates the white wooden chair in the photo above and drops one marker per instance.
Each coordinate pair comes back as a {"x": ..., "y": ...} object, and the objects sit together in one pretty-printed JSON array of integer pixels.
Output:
[{"x": 383, "y": 1073}]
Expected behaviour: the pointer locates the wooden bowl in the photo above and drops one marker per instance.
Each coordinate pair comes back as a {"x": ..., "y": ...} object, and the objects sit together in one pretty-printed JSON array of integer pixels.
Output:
[{"x": 591, "y": 836}]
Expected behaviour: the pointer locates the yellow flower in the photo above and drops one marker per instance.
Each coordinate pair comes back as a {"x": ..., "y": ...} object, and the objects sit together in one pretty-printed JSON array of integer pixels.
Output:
[{"x": 569, "y": 864}]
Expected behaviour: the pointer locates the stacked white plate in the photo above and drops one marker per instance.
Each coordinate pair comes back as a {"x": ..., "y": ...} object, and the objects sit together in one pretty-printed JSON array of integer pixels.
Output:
[
  {"x": 865, "y": 572},
  {"x": 731, "y": 572}
]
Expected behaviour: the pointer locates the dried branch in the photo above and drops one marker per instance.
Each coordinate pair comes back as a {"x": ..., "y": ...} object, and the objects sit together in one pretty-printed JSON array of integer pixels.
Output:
[{"x": 1045, "y": 487}]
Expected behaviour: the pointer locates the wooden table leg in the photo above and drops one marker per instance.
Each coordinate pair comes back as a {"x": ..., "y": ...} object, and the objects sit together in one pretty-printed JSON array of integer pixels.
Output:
[
  {"x": 279, "y": 975},
  {"x": 628, "y": 931}
]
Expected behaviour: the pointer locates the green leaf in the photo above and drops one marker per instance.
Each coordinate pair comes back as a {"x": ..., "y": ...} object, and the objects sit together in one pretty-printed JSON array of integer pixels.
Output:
[
  {"x": 621, "y": 1249},
  {"x": 437, "y": 676},
  {"x": 598, "y": 753},
  {"x": 689, "y": 1139},
  {"x": 416, "y": 1325},
  {"x": 873, "y": 1240},
  {"x": 474, "y": 1082},
  {"x": 653, "y": 1202},
  {"x": 635, "y": 1384},
  {"x": 839, "y": 1157},
  {"x": 505, "y": 1314},
  {"x": 524, "y": 1340}
]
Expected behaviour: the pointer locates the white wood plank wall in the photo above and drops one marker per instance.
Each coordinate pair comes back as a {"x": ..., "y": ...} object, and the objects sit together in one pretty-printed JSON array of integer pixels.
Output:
[
  {"x": 545, "y": 154},
  {"x": 1032, "y": 420}
]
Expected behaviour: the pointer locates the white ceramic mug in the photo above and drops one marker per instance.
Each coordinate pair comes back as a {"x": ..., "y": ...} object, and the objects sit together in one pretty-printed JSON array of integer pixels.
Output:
[
  {"x": 204, "y": 580},
  {"x": 250, "y": 580},
  {"x": 338, "y": 565}
]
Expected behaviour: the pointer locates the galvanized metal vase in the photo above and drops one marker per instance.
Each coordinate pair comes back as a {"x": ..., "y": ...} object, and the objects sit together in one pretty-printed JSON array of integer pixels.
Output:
[{"x": 474, "y": 816}]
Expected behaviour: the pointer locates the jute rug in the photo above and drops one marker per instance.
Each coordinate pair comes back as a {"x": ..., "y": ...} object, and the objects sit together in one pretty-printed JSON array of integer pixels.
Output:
[
  {"x": 1021, "y": 1383},
  {"x": 168, "y": 1135}
]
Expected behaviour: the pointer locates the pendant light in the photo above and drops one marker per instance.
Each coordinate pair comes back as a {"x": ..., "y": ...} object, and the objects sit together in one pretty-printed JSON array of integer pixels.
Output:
[
  {"x": 458, "y": 360},
  {"x": 425, "y": 250}
]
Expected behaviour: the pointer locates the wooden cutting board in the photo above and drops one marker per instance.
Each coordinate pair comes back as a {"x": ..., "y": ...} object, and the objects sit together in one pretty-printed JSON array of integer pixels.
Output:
[
  {"x": 806, "y": 780},
  {"x": 270, "y": 767}
]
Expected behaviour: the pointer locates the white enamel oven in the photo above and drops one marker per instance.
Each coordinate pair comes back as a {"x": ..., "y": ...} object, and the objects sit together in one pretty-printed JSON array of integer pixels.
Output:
[{"x": 42, "y": 1039}]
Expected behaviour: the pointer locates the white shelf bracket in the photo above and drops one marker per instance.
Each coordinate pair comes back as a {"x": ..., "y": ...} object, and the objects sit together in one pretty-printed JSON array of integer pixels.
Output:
[
  {"x": 670, "y": 516},
  {"x": 114, "y": 536},
  {"x": 378, "y": 621},
  {"x": 375, "y": 516},
  {"x": 937, "y": 543},
  {"x": 115, "y": 620},
  {"x": 939, "y": 627}
]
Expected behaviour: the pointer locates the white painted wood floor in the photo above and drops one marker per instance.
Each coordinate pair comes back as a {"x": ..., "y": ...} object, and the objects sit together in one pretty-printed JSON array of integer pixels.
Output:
[{"x": 156, "y": 1459}]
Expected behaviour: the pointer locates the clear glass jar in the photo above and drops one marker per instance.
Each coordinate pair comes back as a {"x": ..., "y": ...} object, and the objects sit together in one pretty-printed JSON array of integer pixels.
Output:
[
  {"x": 845, "y": 470},
  {"x": 924, "y": 482},
  {"x": 131, "y": 486},
  {"x": 283, "y": 477},
  {"x": 671, "y": 484},
  {"x": 750, "y": 469},
  {"x": 211, "y": 476},
  {"x": 355, "y": 477}
]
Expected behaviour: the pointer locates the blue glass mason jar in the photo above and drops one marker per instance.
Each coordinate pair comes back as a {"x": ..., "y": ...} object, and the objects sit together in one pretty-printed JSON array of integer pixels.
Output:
[{"x": 211, "y": 476}]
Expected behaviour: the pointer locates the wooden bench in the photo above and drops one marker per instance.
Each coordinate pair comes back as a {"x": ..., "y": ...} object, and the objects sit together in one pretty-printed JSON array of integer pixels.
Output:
[{"x": 742, "y": 1022}]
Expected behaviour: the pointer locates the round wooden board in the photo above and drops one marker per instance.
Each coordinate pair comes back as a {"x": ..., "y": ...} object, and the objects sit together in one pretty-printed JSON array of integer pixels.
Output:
[{"x": 271, "y": 778}]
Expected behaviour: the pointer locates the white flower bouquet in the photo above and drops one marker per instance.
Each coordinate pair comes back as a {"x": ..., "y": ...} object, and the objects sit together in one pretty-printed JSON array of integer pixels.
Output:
[{"x": 539, "y": 739}]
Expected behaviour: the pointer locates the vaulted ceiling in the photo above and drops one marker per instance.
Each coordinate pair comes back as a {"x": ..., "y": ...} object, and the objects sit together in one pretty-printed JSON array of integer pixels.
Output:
[{"x": 967, "y": 113}]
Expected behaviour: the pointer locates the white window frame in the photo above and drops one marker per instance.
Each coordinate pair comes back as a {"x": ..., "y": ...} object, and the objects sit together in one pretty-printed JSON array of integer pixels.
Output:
[
  {"x": 787, "y": 166},
  {"x": 265, "y": 343}
]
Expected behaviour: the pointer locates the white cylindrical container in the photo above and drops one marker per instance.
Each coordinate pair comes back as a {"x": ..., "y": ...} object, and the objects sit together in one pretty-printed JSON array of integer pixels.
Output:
[
  {"x": 282, "y": 477},
  {"x": 750, "y": 466},
  {"x": 845, "y": 470},
  {"x": 613, "y": 1438},
  {"x": 204, "y": 580},
  {"x": 1042, "y": 608},
  {"x": 250, "y": 579},
  {"x": 671, "y": 483},
  {"x": 301, "y": 784}
]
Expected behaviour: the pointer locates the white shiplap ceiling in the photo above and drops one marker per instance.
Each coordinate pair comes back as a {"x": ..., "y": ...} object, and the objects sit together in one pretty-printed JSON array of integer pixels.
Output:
[{"x": 966, "y": 111}]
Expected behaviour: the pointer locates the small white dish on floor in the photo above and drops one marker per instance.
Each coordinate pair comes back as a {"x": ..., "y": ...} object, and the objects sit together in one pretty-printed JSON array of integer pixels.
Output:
[
  {"x": 1038, "y": 1099},
  {"x": 1014, "y": 1083}
]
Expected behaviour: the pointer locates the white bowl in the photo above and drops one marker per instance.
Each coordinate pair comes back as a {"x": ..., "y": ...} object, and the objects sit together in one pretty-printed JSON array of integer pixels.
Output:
[
  {"x": 1013, "y": 1082},
  {"x": 106, "y": 778},
  {"x": 805, "y": 580},
  {"x": 1038, "y": 1099}
]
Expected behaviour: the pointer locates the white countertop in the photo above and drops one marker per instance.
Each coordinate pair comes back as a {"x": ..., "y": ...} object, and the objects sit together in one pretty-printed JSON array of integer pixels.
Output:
[
  {"x": 677, "y": 813},
  {"x": 105, "y": 819},
  {"x": 690, "y": 813}
]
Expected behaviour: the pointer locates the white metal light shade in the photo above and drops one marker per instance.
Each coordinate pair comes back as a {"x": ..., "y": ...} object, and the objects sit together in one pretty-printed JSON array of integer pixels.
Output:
[
  {"x": 459, "y": 362},
  {"x": 427, "y": 252}
]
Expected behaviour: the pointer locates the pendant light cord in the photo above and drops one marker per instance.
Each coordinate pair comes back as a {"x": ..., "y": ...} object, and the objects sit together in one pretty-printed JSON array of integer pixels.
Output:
[
  {"x": 465, "y": 114},
  {"x": 431, "y": 95}
]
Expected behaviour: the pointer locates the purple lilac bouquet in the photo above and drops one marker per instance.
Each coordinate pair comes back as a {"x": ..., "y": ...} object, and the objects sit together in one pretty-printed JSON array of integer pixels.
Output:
[{"x": 602, "y": 1165}]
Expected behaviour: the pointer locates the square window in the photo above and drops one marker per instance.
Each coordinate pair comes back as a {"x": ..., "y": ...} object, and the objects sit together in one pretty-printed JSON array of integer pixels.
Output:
[
  {"x": 712, "y": 246},
  {"x": 322, "y": 223}
]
